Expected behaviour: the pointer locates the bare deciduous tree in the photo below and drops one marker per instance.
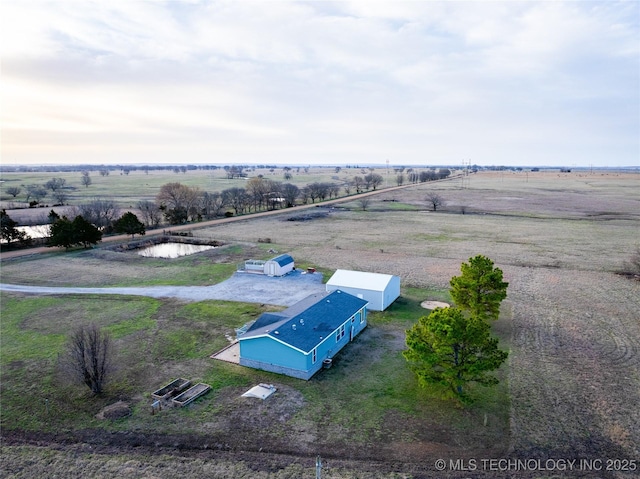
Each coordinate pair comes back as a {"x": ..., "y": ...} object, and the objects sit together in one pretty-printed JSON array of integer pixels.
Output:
[
  {"x": 359, "y": 183},
  {"x": 373, "y": 180},
  {"x": 176, "y": 197},
  {"x": 364, "y": 203},
  {"x": 88, "y": 358},
  {"x": 236, "y": 198},
  {"x": 150, "y": 213},
  {"x": 55, "y": 184},
  {"x": 212, "y": 204},
  {"x": 85, "y": 179},
  {"x": 60, "y": 196},
  {"x": 100, "y": 212},
  {"x": 290, "y": 193},
  {"x": 435, "y": 200},
  {"x": 37, "y": 192},
  {"x": 14, "y": 191}
]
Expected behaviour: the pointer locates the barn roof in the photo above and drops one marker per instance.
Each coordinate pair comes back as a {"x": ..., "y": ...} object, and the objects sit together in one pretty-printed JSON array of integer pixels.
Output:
[
  {"x": 283, "y": 259},
  {"x": 360, "y": 279},
  {"x": 309, "y": 322}
]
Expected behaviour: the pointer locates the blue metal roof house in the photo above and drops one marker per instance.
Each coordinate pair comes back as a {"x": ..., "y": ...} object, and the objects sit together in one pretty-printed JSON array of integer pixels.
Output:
[{"x": 297, "y": 340}]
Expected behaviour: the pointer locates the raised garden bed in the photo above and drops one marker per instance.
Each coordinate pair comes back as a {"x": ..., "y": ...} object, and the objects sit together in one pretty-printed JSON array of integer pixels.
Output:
[
  {"x": 191, "y": 394},
  {"x": 174, "y": 388}
]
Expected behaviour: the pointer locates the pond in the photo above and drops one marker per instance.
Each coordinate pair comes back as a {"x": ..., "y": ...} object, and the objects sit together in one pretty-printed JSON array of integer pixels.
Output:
[
  {"x": 172, "y": 250},
  {"x": 37, "y": 231}
]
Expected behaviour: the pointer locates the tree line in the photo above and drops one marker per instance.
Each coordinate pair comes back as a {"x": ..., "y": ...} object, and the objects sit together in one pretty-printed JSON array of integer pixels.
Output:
[
  {"x": 57, "y": 188},
  {"x": 177, "y": 203}
]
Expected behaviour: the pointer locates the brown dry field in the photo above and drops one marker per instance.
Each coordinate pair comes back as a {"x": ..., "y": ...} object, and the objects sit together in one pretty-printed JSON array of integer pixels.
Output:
[
  {"x": 560, "y": 239},
  {"x": 574, "y": 364}
]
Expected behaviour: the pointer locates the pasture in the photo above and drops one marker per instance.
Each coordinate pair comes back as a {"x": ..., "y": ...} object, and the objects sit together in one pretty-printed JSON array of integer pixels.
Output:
[
  {"x": 571, "y": 387},
  {"x": 126, "y": 190}
]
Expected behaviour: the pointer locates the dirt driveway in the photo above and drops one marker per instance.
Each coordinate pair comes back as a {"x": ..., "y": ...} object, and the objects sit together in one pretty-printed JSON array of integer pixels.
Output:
[{"x": 244, "y": 287}]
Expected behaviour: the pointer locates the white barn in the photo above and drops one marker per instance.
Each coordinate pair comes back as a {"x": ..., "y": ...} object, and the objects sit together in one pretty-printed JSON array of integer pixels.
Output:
[{"x": 380, "y": 290}]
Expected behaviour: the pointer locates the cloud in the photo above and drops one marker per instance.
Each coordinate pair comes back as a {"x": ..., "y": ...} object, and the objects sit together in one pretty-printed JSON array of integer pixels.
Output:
[{"x": 497, "y": 82}]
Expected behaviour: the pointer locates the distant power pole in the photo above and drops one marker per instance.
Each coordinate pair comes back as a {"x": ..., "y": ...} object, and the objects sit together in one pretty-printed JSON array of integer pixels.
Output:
[{"x": 387, "y": 180}]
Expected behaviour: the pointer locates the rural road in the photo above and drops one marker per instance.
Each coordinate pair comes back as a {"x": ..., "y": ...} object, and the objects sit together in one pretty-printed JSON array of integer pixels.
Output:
[
  {"x": 244, "y": 287},
  {"x": 204, "y": 224}
]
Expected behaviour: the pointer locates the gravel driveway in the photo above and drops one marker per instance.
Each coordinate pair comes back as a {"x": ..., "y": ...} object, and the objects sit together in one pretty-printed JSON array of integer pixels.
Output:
[{"x": 244, "y": 287}]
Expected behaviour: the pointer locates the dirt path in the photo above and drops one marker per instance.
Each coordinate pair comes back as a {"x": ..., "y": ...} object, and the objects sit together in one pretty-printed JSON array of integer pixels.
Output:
[{"x": 220, "y": 221}]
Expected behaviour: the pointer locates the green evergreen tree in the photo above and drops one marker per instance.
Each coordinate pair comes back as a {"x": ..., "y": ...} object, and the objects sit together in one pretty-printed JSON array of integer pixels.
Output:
[
  {"x": 67, "y": 233},
  {"x": 61, "y": 233},
  {"x": 85, "y": 233},
  {"x": 130, "y": 224},
  {"x": 480, "y": 289},
  {"x": 448, "y": 349},
  {"x": 9, "y": 231}
]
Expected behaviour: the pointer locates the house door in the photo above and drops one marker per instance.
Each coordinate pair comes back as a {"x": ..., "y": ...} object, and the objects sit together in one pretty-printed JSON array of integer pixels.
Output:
[
  {"x": 353, "y": 320},
  {"x": 272, "y": 269}
]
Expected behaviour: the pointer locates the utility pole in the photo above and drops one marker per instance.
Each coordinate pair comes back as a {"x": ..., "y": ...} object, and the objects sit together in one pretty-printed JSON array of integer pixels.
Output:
[
  {"x": 387, "y": 180},
  {"x": 318, "y": 467}
]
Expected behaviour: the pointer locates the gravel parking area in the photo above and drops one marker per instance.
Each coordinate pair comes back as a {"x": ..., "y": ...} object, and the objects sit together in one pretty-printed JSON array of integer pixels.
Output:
[{"x": 244, "y": 287}]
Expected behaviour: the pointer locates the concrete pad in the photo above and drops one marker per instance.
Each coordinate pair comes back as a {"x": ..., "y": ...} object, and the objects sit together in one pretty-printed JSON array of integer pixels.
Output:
[{"x": 230, "y": 354}]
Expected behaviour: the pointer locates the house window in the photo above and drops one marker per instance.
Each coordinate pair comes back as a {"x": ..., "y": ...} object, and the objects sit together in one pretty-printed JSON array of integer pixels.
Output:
[
  {"x": 314, "y": 355},
  {"x": 340, "y": 333}
]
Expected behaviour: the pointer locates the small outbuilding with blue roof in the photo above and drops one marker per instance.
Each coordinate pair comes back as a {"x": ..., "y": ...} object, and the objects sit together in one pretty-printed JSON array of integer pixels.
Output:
[
  {"x": 279, "y": 266},
  {"x": 298, "y": 340}
]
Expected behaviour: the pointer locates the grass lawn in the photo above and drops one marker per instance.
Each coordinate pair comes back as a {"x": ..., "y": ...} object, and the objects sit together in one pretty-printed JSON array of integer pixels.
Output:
[
  {"x": 360, "y": 400},
  {"x": 33, "y": 333},
  {"x": 86, "y": 268}
]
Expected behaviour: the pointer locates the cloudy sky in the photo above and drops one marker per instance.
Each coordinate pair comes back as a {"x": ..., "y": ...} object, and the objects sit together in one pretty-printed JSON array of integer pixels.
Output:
[{"x": 283, "y": 82}]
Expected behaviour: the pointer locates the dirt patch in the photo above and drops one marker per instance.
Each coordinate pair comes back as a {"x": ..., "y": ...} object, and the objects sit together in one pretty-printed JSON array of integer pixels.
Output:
[
  {"x": 434, "y": 304},
  {"x": 256, "y": 424},
  {"x": 309, "y": 216},
  {"x": 115, "y": 411}
]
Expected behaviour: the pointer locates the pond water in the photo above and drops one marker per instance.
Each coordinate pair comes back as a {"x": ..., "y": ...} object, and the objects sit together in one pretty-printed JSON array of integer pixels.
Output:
[
  {"x": 37, "y": 231},
  {"x": 172, "y": 250}
]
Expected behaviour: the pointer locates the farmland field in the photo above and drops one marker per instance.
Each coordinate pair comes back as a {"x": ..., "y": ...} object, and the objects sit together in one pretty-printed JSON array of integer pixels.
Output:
[
  {"x": 570, "y": 390},
  {"x": 127, "y": 189}
]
